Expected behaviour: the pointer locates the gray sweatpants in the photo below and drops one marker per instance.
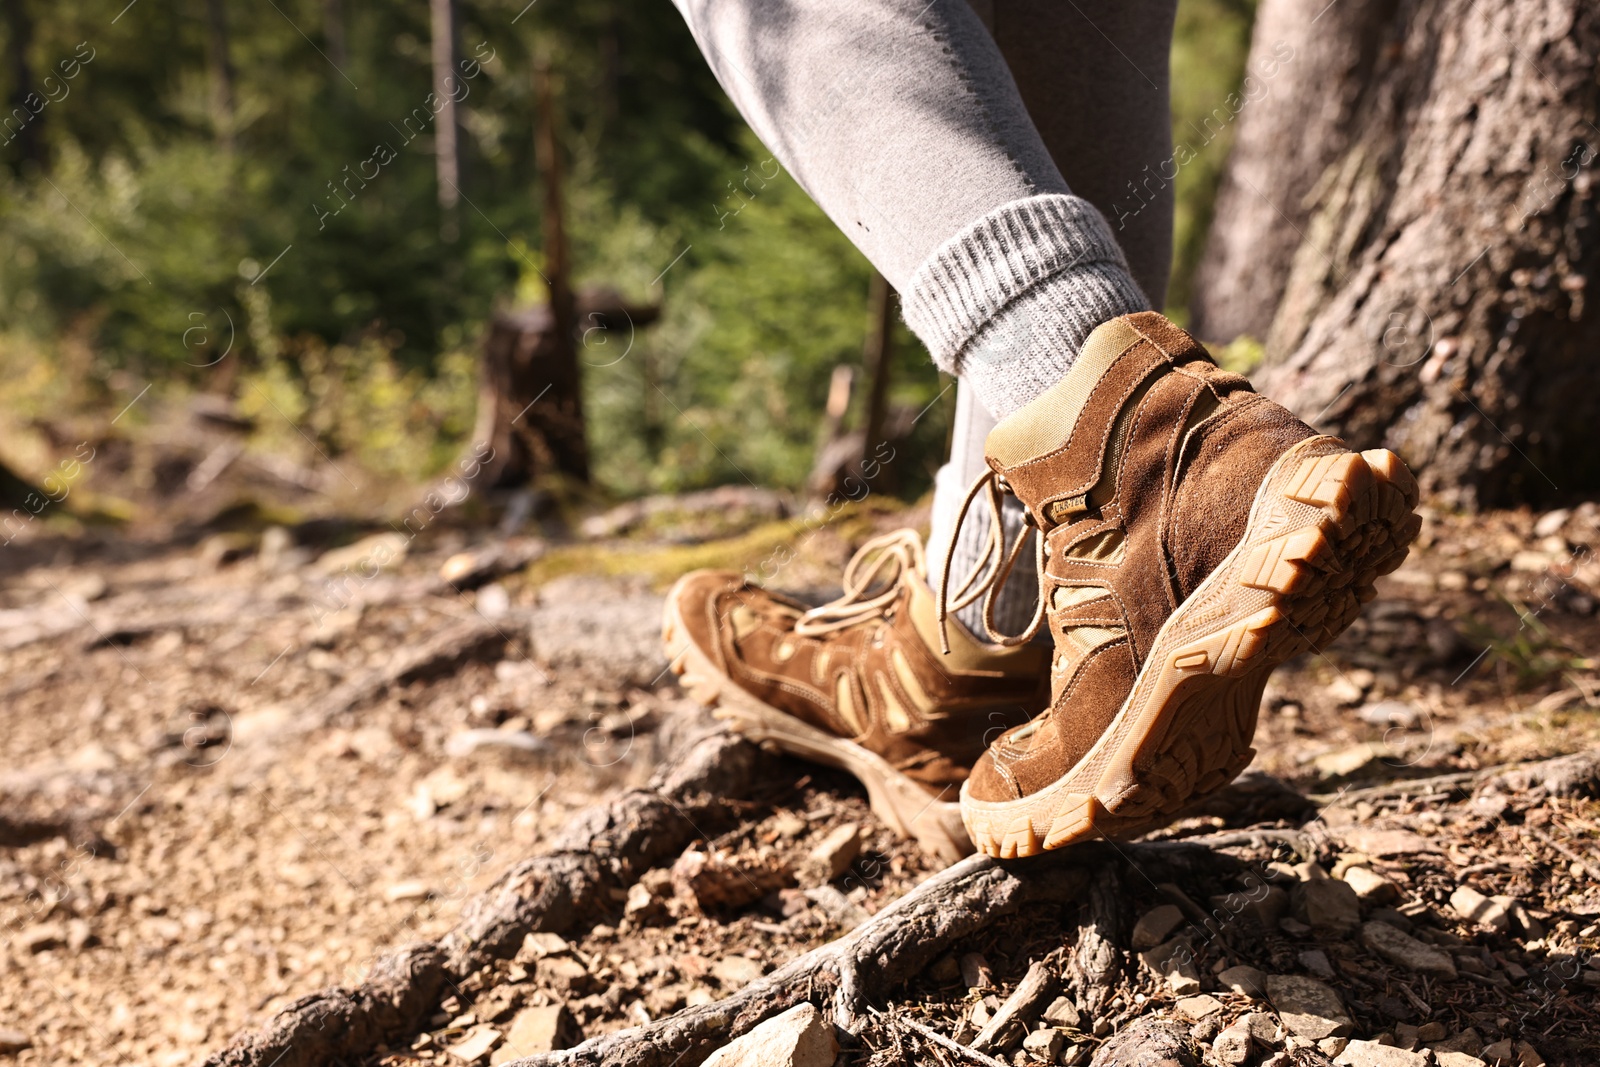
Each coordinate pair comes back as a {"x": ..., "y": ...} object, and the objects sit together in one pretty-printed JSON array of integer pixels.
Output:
[{"x": 960, "y": 145}]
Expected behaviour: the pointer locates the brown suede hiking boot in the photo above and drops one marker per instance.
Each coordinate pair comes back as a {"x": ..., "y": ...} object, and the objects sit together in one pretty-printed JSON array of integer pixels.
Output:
[
  {"x": 1195, "y": 536},
  {"x": 859, "y": 683}
]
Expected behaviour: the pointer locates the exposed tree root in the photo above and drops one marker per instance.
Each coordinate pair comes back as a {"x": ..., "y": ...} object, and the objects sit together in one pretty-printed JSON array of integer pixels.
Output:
[
  {"x": 894, "y": 945},
  {"x": 605, "y": 847}
]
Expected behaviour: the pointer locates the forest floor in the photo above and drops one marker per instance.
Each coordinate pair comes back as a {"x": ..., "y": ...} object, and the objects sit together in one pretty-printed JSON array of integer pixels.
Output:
[{"x": 237, "y": 767}]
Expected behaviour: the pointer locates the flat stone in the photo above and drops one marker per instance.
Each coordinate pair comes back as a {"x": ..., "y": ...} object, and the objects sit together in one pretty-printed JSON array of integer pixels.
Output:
[
  {"x": 1156, "y": 926},
  {"x": 1394, "y": 918},
  {"x": 1349, "y": 760},
  {"x": 1344, "y": 690},
  {"x": 797, "y": 1038},
  {"x": 536, "y": 1030},
  {"x": 1468, "y": 1041},
  {"x": 1246, "y": 980},
  {"x": 1175, "y": 962},
  {"x": 1308, "y": 1008},
  {"x": 1262, "y": 1026},
  {"x": 1232, "y": 1046},
  {"x": 1062, "y": 1012},
  {"x": 1456, "y": 1059},
  {"x": 1428, "y": 1033},
  {"x": 1475, "y": 907},
  {"x": 1332, "y": 1046},
  {"x": 831, "y": 856},
  {"x": 1316, "y": 961},
  {"x": 1199, "y": 1007},
  {"x": 1401, "y": 948},
  {"x": 1044, "y": 1044},
  {"x": 735, "y": 972},
  {"x": 1527, "y": 1056},
  {"x": 1371, "y": 888},
  {"x": 1327, "y": 905},
  {"x": 1372, "y": 1054},
  {"x": 1501, "y": 1052},
  {"x": 476, "y": 1044},
  {"x": 14, "y": 1041},
  {"x": 1387, "y": 842}
]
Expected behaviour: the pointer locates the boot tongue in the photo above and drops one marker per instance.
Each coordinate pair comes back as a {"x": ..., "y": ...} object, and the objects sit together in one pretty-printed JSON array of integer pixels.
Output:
[{"x": 1051, "y": 452}]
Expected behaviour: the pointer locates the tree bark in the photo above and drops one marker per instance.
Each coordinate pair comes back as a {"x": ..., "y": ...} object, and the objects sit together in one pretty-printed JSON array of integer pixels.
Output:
[
  {"x": 447, "y": 128},
  {"x": 1309, "y": 61},
  {"x": 1437, "y": 299},
  {"x": 23, "y": 118}
]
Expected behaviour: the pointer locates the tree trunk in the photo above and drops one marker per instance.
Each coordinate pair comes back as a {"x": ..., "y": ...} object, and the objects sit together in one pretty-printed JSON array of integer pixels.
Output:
[
  {"x": 447, "y": 128},
  {"x": 1436, "y": 301},
  {"x": 21, "y": 124},
  {"x": 1309, "y": 61}
]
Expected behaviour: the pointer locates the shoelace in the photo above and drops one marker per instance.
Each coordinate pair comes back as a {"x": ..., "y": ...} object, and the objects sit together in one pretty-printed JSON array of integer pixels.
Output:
[
  {"x": 881, "y": 562},
  {"x": 989, "y": 575}
]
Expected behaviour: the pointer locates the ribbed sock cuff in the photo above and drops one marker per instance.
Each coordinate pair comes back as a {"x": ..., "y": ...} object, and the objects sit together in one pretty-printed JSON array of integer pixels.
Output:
[{"x": 1006, "y": 303}]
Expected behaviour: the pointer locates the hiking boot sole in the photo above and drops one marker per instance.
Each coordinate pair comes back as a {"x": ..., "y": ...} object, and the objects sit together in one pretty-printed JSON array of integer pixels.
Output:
[
  {"x": 1325, "y": 524},
  {"x": 899, "y": 800}
]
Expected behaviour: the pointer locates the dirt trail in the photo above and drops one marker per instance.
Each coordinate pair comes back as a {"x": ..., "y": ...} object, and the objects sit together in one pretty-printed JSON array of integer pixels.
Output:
[{"x": 235, "y": 773}]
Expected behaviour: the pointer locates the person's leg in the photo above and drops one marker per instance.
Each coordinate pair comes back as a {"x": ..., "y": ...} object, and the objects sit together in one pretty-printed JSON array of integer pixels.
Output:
[
  {"x": 1094, "y": 77},
  {"x": 900, "y": 118}
]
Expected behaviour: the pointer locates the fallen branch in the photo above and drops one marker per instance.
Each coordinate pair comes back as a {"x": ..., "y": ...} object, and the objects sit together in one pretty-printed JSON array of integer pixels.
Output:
[
  {"x": 1577, "y": 774},
  {"x": 605, "y": 847}
]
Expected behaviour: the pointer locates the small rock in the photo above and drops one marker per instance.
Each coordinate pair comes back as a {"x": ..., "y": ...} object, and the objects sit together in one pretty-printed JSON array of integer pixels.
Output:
[
  {"x": 1467, "y": 1041},
  {"x": 43, "y": 937},
  {"x": 975, "y": 971},
  {"x": 1456, "y": 1059},
  {"x": 831, "y": 856},
  {"x": 1391, "y": 713},
  {"x": 1332, "y": 1046},
  {"x": 1550, "y": 522},
  {"x": 1401, "y": 948},
  {"x": 465, "y": 743},
  {"x": 1199, "y": 1007},
  {"x": 367, "y": 556},
  {"x": 1406, "y": 1036},
  {"x": 1396, "y": 919},
  {"x": 541, "y": 943},
  {"x": 1044, "y": 1044},
  {"x": 945, "y": 970},
  {"x": 735, "y": 972},
  {"x": 1175, "y": 962},
  {"x": 1387, "y": 842},
  {"x": 406, "y": 891},
  {"x": 846, "y": 913},
  {"x": 14, "y": 1041},
  {"x": 1346, "y": 689},
  {"x": 1372, "y": 1054},
  {"x": 1327, "y": 905},
  {"x": 1371, "y": 888},
  {"x": 1308, "y": 1008},
  {"x": 1527, "y": 1057},
  {"x": 1500, "y": 1053},
  {"x": 1475, "y": 907},
  {"x": 1521, "y": 917},
  {"x": 1262, "y": 1026},
  {"x": 1246, "y": 980},
  {"x": 1155, "y": 926},
  {"x": 797, "y": 1038},
  {"x": 1267, "y": 906},
  {"x": 476, "y": 1044},
  {"x": 1232, "y": 1046},
  {"x": 1428, "y": 1033},
  {"x": 1062, "y": 1012},
  {"x": 1316, "y": 961}
]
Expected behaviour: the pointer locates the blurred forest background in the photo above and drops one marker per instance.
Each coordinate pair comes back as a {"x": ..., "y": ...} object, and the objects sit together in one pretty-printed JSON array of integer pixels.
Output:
[{"x": 241, "y": 202}]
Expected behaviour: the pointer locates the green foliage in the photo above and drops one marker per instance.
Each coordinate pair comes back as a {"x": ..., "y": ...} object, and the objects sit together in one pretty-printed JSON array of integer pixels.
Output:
[
  {"x": 299, "y": 230},
  {"x": 1211, "y": 42}
]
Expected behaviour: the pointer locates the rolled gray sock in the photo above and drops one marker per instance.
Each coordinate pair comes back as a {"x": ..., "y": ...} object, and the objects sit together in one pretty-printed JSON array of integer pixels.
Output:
[
  {"x": 1008, "y": 301},
  {"x": 1014, "y": 606}
]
